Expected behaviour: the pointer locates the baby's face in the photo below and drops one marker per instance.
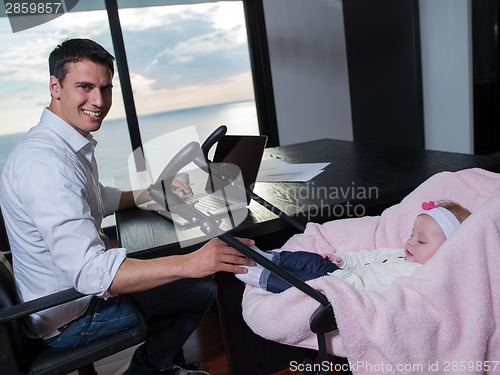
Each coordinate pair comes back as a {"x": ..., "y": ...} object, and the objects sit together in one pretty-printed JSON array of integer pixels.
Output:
[{"x": 426, "y": 238}]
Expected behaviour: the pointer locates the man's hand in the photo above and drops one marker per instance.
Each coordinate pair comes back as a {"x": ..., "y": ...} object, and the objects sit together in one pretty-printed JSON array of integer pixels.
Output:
[
  {"x": 216, "y": 256},
  {"x": 181, "y": 187},
  {"x": 134, "y": 198}
]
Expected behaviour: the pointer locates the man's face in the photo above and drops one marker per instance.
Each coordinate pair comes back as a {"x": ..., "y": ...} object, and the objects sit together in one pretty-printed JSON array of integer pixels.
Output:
[{"x": 85, "y": 96}]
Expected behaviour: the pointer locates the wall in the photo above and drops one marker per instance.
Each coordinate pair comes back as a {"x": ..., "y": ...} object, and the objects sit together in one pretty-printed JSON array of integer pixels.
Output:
[
  {"x": 310, "y": 76},
  {"x": 447, "y": 74},
  {"x": 309, "y": 69},
  {"x": 385, "y": 80}
]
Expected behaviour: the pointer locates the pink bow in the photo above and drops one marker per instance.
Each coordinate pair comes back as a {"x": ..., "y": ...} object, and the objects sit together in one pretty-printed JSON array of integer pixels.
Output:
[{"x": 428, "y": 205}]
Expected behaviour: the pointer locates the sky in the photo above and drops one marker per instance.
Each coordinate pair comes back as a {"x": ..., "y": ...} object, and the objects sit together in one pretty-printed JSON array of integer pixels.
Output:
[{"x": 179, "y": 57}]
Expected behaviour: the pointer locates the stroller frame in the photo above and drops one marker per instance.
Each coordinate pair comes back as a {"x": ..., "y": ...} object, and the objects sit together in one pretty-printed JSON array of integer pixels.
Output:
[{"x": 323, "y": 319}]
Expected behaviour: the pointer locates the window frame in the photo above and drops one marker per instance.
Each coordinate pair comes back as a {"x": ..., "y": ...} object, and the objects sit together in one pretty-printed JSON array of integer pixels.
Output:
[{"x": 259, "y": 62}]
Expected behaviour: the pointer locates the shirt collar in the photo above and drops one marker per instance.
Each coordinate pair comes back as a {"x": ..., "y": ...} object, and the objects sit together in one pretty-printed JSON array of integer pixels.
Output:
[{"x": 79, "y": 143}]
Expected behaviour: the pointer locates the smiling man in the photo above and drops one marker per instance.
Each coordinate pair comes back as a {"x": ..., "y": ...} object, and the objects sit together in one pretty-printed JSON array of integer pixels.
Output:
[
  {"x": 82, "y": 95},
  {"x": 53, "y": 205}
]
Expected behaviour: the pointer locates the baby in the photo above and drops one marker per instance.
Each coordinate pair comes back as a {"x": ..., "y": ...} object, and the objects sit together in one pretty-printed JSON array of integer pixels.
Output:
[{"x": 367, "y": 269}]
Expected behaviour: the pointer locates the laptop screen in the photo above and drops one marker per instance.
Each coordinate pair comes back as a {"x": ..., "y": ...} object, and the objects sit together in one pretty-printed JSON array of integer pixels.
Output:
[
  {"x": 241, "y": 151},
  {"x": 244, "y": 151}
]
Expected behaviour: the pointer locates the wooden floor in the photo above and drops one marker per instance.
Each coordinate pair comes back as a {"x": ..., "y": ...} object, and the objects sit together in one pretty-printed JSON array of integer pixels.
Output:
[{"x": 205, "y": 345}]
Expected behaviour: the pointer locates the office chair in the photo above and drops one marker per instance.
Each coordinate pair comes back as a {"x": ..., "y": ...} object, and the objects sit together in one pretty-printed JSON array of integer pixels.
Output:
[
  {"x": 4, "y": 241},
  {"x": 20, "y": 354}
]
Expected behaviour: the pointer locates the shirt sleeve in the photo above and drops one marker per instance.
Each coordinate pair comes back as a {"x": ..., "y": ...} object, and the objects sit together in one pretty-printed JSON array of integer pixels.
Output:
[
  {"x": 111, "y": 198},
  {"x": 54, "y": 190}
]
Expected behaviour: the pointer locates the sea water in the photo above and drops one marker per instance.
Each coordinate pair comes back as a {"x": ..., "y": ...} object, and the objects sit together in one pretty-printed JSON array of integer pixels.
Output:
[{"x": 114, "y": 147}]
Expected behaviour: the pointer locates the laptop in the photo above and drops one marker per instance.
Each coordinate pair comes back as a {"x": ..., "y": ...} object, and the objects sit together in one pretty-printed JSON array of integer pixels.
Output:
[{"x": 233, "y": 154}]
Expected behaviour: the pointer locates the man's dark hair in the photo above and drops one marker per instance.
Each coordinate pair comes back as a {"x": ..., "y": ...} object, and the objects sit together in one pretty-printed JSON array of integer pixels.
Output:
[{"x": 76, "y": 50}]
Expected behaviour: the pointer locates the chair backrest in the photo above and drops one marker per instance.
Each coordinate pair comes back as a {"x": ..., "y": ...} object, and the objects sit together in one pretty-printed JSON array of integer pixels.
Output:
[
  {"x": 12, "y": 332},
  {"x": 4, "y": 241},
  {"x": 8, "y": 295},
  {"x": 7, "y": 286}
]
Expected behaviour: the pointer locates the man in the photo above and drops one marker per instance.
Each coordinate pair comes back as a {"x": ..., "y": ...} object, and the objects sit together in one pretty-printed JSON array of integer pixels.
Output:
[{"x": 53, "y": 205}]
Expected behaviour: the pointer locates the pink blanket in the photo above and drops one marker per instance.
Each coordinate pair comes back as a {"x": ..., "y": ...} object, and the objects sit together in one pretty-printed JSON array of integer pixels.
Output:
[{"x": 444, "y": 319}]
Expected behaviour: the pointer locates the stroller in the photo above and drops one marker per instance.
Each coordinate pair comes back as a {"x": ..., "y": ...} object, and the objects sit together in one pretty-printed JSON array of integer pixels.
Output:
[
  {"x": 446, "y": 314},
  {"x": 323, "y": 319}
]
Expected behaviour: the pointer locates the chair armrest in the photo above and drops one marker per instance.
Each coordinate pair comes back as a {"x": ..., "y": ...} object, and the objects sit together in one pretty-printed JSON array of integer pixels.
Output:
[{"x": 26, "y": 308}]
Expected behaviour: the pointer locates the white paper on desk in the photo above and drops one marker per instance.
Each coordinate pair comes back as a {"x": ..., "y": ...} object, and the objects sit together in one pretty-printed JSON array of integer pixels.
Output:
[{"x": 275, "y": 170}]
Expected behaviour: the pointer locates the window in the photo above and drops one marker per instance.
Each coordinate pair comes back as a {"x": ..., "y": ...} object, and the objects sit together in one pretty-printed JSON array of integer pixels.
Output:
[
  {"x": 189, "y": 65},
  {"x": 24, "y": 80}
]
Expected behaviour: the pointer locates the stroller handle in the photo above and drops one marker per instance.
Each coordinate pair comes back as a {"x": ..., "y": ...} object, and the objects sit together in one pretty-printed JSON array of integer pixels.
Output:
[{"x": 323, "y": 319}]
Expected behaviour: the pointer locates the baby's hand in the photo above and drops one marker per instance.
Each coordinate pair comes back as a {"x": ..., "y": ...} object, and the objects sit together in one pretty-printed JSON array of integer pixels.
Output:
[{"x": 333, "y": 258}]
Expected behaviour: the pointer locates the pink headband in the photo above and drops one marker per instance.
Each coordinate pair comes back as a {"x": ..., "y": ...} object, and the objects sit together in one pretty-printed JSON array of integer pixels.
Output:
[{"x": 445, "y": 219}]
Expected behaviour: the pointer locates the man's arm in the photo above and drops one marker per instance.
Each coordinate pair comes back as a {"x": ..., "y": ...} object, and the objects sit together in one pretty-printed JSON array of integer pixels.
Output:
[
  {"x": 135, "y": 275},
  {"x": 130, "y": 199}
]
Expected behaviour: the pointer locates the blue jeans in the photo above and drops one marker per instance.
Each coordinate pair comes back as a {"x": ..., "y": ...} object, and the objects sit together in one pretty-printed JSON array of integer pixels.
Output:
[
  {"x": 185, "y": 300},
  {"x": 302, "y": 264},
  {"x": 101, "y": 319}
]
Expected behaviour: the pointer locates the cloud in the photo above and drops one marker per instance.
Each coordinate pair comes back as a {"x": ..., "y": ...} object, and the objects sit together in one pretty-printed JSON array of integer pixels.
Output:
[
  {"x": 140, "y": 19},
  {"x": 25, "y": 55},
  {"x": 229, "y": 16},
  {"x": 179, "y": 57},
  {"x": 82, "y": 24},
  {"x": 27, "y": 61},
  {"x": 142, "y": 85},
  {"x": 217, "y": 40}
]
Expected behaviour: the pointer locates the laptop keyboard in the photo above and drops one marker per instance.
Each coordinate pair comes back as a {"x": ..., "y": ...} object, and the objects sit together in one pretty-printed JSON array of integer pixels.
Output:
[{"x": 209, "y": 204}]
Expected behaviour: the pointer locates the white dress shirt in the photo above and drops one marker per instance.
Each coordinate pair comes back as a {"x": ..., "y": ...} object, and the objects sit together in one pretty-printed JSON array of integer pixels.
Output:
[{"x": 53, "y": 206}]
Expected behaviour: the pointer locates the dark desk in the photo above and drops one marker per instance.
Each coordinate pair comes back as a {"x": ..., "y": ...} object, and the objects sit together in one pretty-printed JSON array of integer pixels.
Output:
[
  {"x": 356, "y": 168},
  {"x": 361, "y": 180}
]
